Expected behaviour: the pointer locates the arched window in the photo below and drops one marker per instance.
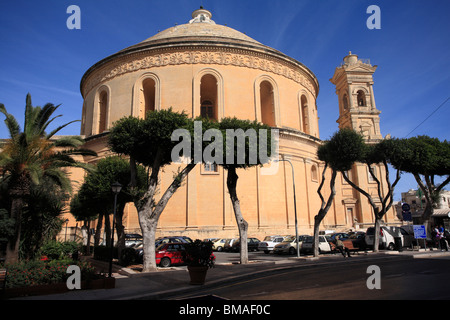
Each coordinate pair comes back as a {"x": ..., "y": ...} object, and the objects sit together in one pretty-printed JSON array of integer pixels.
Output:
[
  {"x": 305, "y": 116},
  {"x": 103, "y": 111},
  {"x": 361, "y": 98},
  {"x": 267, "y": 103},
  {"x": 208, "y": 97},
  {"x": 148, "y": 95}
]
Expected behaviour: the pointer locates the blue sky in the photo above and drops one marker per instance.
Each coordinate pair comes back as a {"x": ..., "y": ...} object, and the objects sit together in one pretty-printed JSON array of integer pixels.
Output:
[{"x": 40, "y": 55}]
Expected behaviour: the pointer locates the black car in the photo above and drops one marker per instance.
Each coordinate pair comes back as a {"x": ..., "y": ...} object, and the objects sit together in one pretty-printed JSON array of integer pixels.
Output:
[{"x": 252, "y": 245}]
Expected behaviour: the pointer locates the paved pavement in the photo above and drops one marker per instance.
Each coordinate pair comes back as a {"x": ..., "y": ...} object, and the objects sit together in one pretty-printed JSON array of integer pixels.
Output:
[{"x": 161, "y": 285}]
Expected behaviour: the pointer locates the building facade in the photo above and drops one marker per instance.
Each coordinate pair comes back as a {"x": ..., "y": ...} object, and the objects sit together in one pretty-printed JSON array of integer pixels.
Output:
[{"x": 207, "y": 69}]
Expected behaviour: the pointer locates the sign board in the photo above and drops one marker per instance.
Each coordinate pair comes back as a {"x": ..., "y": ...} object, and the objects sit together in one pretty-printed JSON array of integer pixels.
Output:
[{"x": 419, "y": 231}]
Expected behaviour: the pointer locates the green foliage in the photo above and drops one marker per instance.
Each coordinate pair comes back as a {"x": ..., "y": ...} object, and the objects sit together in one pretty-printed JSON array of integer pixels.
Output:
[
  {"x": 343, "y": 149},
  {"x": 31, "y": 273},
  {"x": 31, "y": 155},
  {"x": 423, "y": 155},
  {"x": 95, "y": 195},
  {"x": 251, "y": 146},
  {"x": 6, "y": 226},
  {"x": 59, "y": 250},
  {"x": 149, "y": 139},
  {"x": 199, "y": 253}
]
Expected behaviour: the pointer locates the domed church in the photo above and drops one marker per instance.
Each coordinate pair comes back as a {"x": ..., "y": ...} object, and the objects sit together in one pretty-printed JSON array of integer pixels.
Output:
[{"x": 207, "y": 69}]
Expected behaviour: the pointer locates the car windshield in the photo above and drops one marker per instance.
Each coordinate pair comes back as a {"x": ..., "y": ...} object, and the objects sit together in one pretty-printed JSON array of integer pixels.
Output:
[
  {"x": 268, "y": 238},
  {"x": 370, "y": 231},
  {"x": 289, "y": 239}
]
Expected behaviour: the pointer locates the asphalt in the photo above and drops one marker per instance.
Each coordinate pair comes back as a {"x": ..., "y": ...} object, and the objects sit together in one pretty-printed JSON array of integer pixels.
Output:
[{"x": 169, "y": 282}]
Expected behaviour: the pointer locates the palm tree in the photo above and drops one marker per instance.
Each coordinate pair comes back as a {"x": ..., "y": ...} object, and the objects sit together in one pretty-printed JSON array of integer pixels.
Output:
[{"x": 30, "y": 156}]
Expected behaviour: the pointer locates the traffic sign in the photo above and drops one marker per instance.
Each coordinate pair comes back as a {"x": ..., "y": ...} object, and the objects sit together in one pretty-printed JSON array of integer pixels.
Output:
[
  {"x": 407, "y": 216},
  {"x": 419, "y": 231}
]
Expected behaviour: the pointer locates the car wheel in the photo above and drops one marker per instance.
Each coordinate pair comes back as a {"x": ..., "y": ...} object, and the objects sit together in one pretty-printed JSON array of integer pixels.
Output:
[
  {"x": 292, "y": 250},
  {"x": 219, "y": 249},
  {"x": 391, "y": 246},
  {"x": 165, "y": 262}
]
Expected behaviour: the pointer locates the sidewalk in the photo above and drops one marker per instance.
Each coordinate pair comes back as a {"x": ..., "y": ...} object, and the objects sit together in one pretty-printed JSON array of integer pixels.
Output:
[{"x": 164, "y": 283}]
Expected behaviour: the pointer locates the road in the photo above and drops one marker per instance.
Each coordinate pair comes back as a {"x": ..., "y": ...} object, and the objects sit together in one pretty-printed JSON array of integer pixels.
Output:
[{"x": 400, "y": 278}]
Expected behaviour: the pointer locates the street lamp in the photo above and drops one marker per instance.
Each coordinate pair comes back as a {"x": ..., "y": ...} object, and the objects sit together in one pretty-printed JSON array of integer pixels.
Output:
[
  {"x": 115, "y": 187},
  {"x": 65, "y": 236},
  {"x": 295, "y": 204}
]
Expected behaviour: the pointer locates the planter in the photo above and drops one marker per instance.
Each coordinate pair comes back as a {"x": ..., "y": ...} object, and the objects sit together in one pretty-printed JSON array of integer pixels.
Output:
[
  {"x": 46, "y": 289},
  {"x": 197, "y": 274}
]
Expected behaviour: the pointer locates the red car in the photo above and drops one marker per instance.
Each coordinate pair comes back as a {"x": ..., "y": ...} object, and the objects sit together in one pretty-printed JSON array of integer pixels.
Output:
[{"x": 168, "y": 254}]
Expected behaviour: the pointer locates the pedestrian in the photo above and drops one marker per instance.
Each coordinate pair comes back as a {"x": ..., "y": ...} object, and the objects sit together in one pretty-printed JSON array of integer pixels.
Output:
[
  {"x": 436, "y": 237},
  {"x": 341, "y": 247},
  {"x": 442, "y": 240}
]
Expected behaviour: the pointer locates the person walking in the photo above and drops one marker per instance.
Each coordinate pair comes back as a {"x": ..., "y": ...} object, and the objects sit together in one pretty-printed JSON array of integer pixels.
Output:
[
  {"x": 341, "y": 247},
  {"x": 442, "y": 241}
]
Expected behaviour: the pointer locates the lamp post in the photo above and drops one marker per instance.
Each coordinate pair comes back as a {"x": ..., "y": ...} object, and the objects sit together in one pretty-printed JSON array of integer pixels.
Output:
[
  {"x": 65, "y": 236},
  {"x": 295, "y": 205},
  {"x": 115, "y": 187}
]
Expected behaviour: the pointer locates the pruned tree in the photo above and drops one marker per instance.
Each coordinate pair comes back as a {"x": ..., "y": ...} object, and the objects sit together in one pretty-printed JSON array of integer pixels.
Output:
[
  {"x": 96, "y": 197},
  {"x": 426, "y": 159},
  {"x": 380, "y": 154},
  {"x": 244, "y": 152},
  {"x": 339, "y": 153},
  {"x": 149, "y": 142}
]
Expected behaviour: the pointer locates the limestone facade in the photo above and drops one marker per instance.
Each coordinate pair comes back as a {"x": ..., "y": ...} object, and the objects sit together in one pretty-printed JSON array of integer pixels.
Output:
[{"x": 204, "y": 68}]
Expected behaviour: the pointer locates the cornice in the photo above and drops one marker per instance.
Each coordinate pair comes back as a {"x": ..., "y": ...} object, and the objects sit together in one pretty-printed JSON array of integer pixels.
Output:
[{"x": 199, "y": 52}]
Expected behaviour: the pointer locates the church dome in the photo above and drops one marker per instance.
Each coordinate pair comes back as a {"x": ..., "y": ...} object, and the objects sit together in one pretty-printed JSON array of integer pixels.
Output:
[
  {"x": 201, "y": 30},
  {"x": 201, "y": 27}
]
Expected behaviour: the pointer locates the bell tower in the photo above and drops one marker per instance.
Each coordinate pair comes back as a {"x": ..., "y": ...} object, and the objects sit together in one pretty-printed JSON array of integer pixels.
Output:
[{"x": 357, "y": 110}]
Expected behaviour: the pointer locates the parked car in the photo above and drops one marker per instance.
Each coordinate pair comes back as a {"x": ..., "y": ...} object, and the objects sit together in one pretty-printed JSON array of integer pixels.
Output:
[
  {"x": 181, "y": 239},
  {"x": 168, "y": 254},
  {"x": 355, "y": 242},
  {"x": 324, "y": 245},
  {"x": 269, "y": 243},
  {"x": 252, "y": 245},
  {"x": 342, "y": 236},
  {"x": 229, "y": 244},
  {"x": 219, "y": 244},
  {"x": 289, "y": 245},
  {"x": 132, "y": 239},
  {"x": 387, "y": 237}
]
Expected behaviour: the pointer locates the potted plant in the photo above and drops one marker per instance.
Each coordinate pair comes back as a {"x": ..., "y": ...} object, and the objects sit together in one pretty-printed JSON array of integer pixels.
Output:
[{"x": 199, "y": 258}]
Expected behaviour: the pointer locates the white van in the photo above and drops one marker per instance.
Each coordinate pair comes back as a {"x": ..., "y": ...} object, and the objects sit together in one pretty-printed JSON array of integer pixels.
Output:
[
  {"x": 388, "y": 235},
  {"x": 324, "y": 245}
]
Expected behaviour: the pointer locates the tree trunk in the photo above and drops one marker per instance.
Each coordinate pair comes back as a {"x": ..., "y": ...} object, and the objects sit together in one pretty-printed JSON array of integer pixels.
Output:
[
  {"x": 12, "y": 249},
  {"x": 149, "y": 213},
  {"x": 120, "y": 230},
  {"x": 325, "y": 206},
  {"x": 98, "y": 230},
  {"x": 376, "y": 236},
  {"x": 242, "y": 224},
  {"x": 148, "y": 227}
]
